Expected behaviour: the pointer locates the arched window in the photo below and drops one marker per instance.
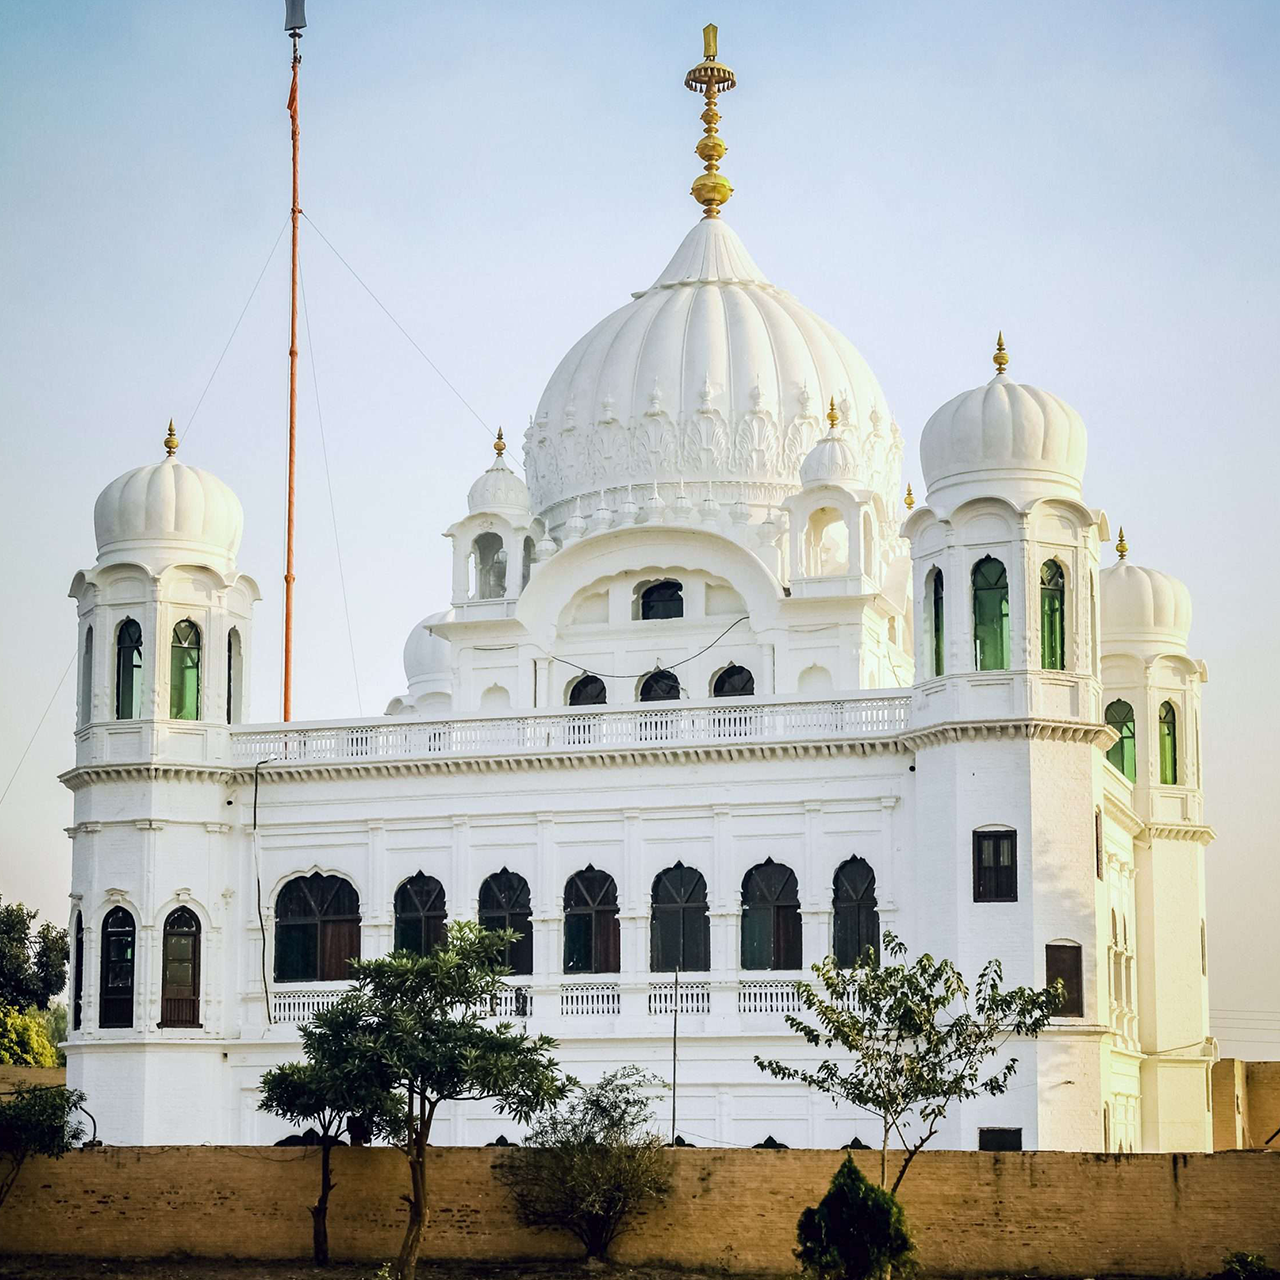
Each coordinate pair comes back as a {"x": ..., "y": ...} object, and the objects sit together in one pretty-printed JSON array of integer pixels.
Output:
[
  {"x": 526, "y": 562},
  {"x": 995, "y": 865},
  {"x": 990, "y": 615},
  {"x": 317, "y": 929},
  {"x": 504, "y": 904},
  {"x": 770, "y": 917},
  {"x": 489, "y": 565},
  {"x": 180, "y": 970},
  {"x": 86, "y": 678},
  {"x": 1064, "y": 962},
  {"x": 938, "y": 620},
  {"x": 420, "y": 914},
  {"x": 660, "y": 686},
  {"x": 184, "y": 672},
  {"x": 588, "y": 692},
  {"x": 826, "y": 544},
  {"x": 1053, "y": 627},
  {"x": 1119, "y": 715},
  {"x": 662, "y": 600},
  {"x": 77, "y": 975},
  {"x": 734, "y": 682},
  {"x": 235, "y": 678},
  {"x": 115, "y": 995},
  {"x": 857, "y": 922},
  {"x": 679, "y": 930},
  {"x": 1168, "y": 745},
  {"x": 129, "y": 671},
  {"x": 592, "y": 942},
  {"x": 868, "y": 546}
]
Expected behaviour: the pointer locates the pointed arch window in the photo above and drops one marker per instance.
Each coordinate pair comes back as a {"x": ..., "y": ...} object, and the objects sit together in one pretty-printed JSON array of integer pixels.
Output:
[
  {"x": 734, "y": 682},
  {"x": 1121, "y": 753},
  {"x": 592, "y": 940},
  {"x": 86, "y": 678},
  {"x": 660, "y": 686},
  {"x": 421, "y": 914},
  {"x": 679, "y": 929},
  {"x": 180, "y": 972},
  {"x": 235, "y": 677},
  {"x": 990, "y": 615},
  {"x": 662, "y": 600},
  {"x": 489, "y": 567},
  {"x": 77, "y": 975},
  {"x": 184, "y": 672},
  {"x": 588, "y": 692},
  {"x": 770, "y": 917},
  {"x": 1053, "y": 627},
  {"x": 1168, "y": 745},
  {"x": 857, "y": 922},
  {"x": 939, "y": 625},
  {"x": 129, "y": 671},
  {"x": 526, "y": 562},
  {"x": 504, "y": 904},
  {"x": 115, "y": 999},
  {"x": 317, "y": 929}
]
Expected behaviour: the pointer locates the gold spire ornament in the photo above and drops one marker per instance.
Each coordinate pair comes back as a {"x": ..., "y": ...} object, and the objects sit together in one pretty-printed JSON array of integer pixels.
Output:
[
  {"x": 710, "y": 189},
  {"x": 1001, "y": 357},
  {"x": 833, "y": 416},
  {"x": 499, "y": 445},
  {"x": 910, "y": 500},
  {"x": 171, "y": 441},
  {"x": 1122, "y": 547}
]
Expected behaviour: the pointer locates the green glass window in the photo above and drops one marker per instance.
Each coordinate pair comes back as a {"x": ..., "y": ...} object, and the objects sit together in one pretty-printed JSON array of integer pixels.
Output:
[
  {"x": 184, "y": 672},
  {"x": 129, "y": 671},
  {"x": 1119, "y": 716},
  {"x": 1053, "y": 637},
  {"x": 1168, "y": 745},
  {"x": 939, "y": 632},
  {"x": 990, "y": 615},
  {"x": 421, "y": 914}
]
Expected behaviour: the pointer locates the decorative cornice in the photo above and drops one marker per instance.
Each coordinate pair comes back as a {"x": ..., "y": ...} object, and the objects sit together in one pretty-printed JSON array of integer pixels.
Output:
[
  {"x": 149, "y": 771},
  {"x": 1032, "y": 729},
  {"x": 1121, "y": 814},
  {"x": 1192, "y": 831}
]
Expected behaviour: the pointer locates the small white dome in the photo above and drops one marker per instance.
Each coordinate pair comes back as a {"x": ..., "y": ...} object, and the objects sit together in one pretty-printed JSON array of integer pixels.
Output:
[
  {"x": 831, "y": 461},
  {"x": 427, "y": 655},
  {"x": 499, "y": 490},
  {"x": 168, "y": 508},
  {"x": 1143, "y": 606},
  {"x": 1015, "y": 436}
]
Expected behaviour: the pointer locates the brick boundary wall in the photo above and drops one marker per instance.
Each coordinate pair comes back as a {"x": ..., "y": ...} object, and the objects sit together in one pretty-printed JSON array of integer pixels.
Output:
[{"x": 972, "y": 1213}]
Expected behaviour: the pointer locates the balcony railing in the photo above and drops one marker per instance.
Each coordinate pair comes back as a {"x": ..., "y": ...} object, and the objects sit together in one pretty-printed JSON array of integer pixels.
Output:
[
  {"x": 590, "y": 999},
  {"x": 692, "y": 997},
  {"x": 682, "y": 725},
  {"x": 297, "y": 1004},
  {"x": 770, "y": 995}
]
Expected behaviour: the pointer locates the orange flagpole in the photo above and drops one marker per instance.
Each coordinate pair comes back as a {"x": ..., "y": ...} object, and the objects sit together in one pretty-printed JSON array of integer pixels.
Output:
[{"x": 293, "y": 398}]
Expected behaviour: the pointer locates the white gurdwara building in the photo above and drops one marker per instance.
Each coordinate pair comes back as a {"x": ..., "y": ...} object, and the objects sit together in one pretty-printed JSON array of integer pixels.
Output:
[{"x": 707, "y": 695}]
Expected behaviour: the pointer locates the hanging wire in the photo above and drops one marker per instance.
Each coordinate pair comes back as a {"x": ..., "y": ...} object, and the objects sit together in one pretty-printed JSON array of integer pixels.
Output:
[
  {"x": 328, "y": 478},
  {"x": 48, "y": 707},
  {"x": 236, "y": 328},
  {"x": 438, "y": 372},
  {"x": 671, "y": 667}
]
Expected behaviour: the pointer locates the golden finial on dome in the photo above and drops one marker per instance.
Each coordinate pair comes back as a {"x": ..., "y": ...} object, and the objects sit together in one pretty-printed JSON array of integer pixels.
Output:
[
  {"x": 910, "y": 500},
  {"x": 499, "y": 444},
  {"x": 171, "y": 441},
  {"x": 833, "y": 415},
  {"x": 1122, "y": 547},
  {"x": 710, "y": 189},
  {"x": 1001, "y": 357}
]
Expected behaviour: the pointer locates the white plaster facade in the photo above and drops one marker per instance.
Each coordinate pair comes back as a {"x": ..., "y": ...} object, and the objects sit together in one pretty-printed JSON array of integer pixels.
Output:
[{"x": 716, "y": 434}]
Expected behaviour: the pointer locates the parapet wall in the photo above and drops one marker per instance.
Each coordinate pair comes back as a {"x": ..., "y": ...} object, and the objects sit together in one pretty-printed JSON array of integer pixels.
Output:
[{"x": 972, "y": 1213}]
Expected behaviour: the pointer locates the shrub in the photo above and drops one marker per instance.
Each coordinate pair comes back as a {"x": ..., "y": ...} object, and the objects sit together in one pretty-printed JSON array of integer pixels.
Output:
[
  {"x": 1246, "y": 1266},
  {"x": 856, "y": 1232},
  {"x": 24, "y": 1039}
]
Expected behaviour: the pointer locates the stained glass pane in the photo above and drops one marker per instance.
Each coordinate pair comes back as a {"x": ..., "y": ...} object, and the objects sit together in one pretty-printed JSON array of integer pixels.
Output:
[
  {"x": 1168, "y": 745},
  {"x": 1052, "y": 617},
  {"x": 184, "y": 673}
]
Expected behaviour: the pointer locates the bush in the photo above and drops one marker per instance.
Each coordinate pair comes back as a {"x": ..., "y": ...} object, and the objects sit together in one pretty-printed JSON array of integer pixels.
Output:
[
  {"x": 1246, "y": 1266},
  {"x": 857, "y": 1232},
  {"x": 36, "y": 1120},
  {"x": 24, "y": 1039}
]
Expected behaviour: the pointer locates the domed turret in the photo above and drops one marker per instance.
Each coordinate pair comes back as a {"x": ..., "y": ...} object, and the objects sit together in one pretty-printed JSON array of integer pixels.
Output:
[
  {"x": 499, "y": 489},
  {"x": 428, "y": 658},
  {"x": 832, "y": 460},
  {"x": 1004, "y": 437},
  {"x": 1143, "y": 607},
  {"x": 168, "y": 512}
]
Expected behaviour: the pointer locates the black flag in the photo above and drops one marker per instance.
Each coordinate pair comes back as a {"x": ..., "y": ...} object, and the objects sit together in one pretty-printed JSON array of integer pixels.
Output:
[{"x": 295, "y": 17}]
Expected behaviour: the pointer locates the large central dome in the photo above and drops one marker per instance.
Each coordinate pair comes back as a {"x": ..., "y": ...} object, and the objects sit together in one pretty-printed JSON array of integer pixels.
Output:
[{"x": 711, "y": 376}]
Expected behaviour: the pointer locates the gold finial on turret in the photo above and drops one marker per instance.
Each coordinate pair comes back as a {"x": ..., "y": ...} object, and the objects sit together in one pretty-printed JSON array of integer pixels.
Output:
[
  {"x": 171, "y": 441},
  {"x": 1122, "y": 547},
  {"x": 910, "y": 500},
  {"x": 711, "y": 189},
  {"x": 499, "y": 444},
  {"x": 833, "y": 415},
  {"x": 1001, "y": 357}
]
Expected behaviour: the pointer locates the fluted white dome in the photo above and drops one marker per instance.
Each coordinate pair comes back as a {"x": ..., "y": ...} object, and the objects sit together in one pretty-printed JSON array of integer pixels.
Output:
[
  {"x": 427, "y": 656},
  {"x": 168, "y": 511},
  {"x": 713, "y": 375},
  {"x": 1142, "y": 607},
  {"x": 1023, "y": 441},
  {"x": 831, "y": 461},
  {"x": 499, "y": 490}
]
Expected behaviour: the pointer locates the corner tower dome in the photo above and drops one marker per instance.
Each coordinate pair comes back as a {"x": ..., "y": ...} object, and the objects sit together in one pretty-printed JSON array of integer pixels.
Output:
[
  {"x": 166, "y": 513},
  {"x": 1019, "y": 438},
  {"x": 499, "y": 489},
  {"x": 1143, "y": 608}
]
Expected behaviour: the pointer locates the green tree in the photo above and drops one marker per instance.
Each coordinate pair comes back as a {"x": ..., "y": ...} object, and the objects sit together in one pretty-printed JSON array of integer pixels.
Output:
[
  {"x": 915, "y": 1039},
  {"x": 337, "y": 1102},
  {"x": 591, "y": 1162},
  {"x": 33, "y": 966},
  {"x": 36, "y": 1120},
  {"x": 417, "y": 1026},
  {"x": 24, "y": 1040},
  {"x": 857, "y": 1231}
]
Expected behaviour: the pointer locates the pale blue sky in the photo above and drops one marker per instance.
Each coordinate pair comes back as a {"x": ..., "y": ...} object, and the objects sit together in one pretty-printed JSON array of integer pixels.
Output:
[{"x": 1099, "y": 180}]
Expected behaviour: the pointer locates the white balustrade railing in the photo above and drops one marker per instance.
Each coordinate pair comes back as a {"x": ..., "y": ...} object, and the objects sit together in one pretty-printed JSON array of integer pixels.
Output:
[
  {"x": 678, "y": 725},
  {"x": 297, "y": 1004},
  {"x": 692, "y": 997},
  {"x": 768, "y": 996},
  {"x": 514, "y": 1002},
  {"x": 590, "y": 999}
]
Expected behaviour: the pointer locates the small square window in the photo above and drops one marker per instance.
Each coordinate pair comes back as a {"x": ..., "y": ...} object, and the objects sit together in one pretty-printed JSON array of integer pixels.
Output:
[
  {"x": 995, "y": 866},
  {"x": 999, "y": 1139}
]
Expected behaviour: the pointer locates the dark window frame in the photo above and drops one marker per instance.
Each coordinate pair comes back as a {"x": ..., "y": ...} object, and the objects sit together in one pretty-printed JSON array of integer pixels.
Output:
[
  {"x": 855, "y": 913},
  {"x": 1123, "y": 752},
  {"x": 1000, "y": 1138},
  {"x": 1065, "y": 961},
  {"x": 129, "y": 670},
  {"x": 1053, "y": 616},
  {"x": 505, "y": 903},
  {"x": 588, "y": 691},
  {"x": 679, "y": 921},
  {"x": 118, "y": 948},
  {"x": 330, "y": 913},
  {"x": 995, "y": 882},
  {"x": 734, "y": 682},
  {"x": 662, "y": 600},
  {"x": 1167, "y": 727},
  {"x": 77, "y": 974},
  {"x": 660, "y": 686},
  {"x": 180, "y": 999},
  {"x": 939, "y": 616},
  {"x": 592, "y": 932},
  {"x": 771, "y": 893},
  {"x": 421, "y": 912}
]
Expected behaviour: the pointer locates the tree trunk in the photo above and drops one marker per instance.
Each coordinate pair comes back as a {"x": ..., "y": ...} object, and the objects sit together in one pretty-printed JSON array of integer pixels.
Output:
[
  {"x": 320, "y": 1210},
  {"x": 884, "y": 1157},
  {"x": 407, "y": 1262}
]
